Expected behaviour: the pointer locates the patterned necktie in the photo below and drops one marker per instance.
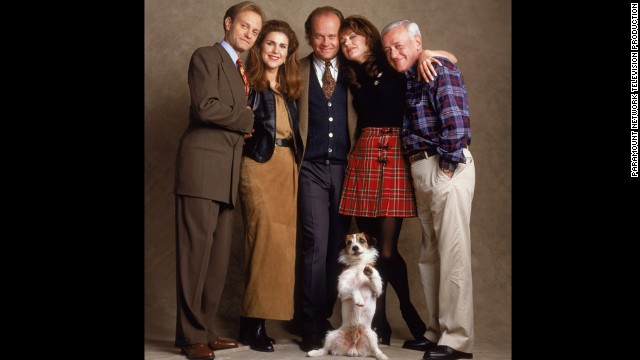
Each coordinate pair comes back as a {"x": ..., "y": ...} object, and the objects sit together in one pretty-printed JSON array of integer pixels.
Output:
[
  {"x": 244, "y": 77},
  {"x": 328, "y": 82}
]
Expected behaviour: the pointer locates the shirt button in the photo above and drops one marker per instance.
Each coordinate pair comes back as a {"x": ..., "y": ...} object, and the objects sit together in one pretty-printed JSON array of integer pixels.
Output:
[
  {"x": 326, "y": 162},
  {"x": 330, "y": 119},
  {"x": 330, "y": 149},
  {"x": 329, "y": 104},
  {"x": 330, "y": 134}
]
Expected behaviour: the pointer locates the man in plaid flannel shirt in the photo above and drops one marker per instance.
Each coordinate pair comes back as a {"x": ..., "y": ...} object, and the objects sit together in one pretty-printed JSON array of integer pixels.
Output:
[{"x": 436, "y": 135}]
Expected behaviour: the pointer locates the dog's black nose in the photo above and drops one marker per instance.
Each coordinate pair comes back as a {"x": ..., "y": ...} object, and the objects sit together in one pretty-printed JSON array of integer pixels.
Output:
[{"x": 355, "y": 248}]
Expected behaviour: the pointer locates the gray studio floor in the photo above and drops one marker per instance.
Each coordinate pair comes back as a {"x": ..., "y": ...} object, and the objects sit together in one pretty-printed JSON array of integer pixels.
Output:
[{"x": 488, "y": 347}]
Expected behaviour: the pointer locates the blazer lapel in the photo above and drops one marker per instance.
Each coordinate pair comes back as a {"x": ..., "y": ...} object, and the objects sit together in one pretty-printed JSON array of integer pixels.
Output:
[{"x": 233, "y": 75}]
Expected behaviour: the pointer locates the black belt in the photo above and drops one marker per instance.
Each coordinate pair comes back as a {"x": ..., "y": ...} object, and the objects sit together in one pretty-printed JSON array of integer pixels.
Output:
[
  {"x": 422, "y": 155},
  {"x": 284, "y": 142}
]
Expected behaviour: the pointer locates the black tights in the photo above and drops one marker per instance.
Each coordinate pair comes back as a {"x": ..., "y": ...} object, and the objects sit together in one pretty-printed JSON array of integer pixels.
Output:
[{"x": 393, "y": 270}]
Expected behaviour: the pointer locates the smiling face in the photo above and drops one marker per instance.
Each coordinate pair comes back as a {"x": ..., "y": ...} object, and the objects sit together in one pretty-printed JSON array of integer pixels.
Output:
[
  {"x": 241, "y": 32},
  {"x": 354, "y": 46},
  {"x": 401, "y": 50},
  {"x": 324, "y": 36},
  {"x": 274, "y": 49}
]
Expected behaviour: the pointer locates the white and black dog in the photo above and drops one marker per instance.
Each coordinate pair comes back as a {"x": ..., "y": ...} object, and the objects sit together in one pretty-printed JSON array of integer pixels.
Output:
[{"x": 359, "y": 285}]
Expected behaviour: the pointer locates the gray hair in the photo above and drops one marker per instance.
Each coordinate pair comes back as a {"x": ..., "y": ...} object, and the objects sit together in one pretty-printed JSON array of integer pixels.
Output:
[{"x": 411, "y": 27}]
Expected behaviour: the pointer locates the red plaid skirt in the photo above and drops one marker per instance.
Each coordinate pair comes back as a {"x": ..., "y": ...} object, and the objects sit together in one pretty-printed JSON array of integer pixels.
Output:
[{"x": 377, "y": 180}]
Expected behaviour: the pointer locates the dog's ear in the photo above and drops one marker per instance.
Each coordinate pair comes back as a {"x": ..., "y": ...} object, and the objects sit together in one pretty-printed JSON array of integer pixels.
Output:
[
  {"x": 371, "y": 240},
  {"x": 344, "y": 243}
]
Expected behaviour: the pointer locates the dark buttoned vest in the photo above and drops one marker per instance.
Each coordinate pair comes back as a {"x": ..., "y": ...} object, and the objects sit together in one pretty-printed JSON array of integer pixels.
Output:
[{"x": 328, "y": 136}]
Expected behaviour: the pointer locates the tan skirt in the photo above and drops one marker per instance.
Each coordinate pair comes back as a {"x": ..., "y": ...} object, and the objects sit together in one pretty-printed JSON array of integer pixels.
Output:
[{"x": 269, "y": 202}]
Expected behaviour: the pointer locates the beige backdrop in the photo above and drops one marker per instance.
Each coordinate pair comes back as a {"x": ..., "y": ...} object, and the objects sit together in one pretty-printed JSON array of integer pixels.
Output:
[{"x": 478, "y": 32}]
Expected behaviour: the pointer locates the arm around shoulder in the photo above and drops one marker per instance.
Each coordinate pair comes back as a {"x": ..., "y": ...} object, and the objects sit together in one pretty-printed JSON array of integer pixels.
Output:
[
  {"x": 427, "y": 57},
  {"x": 443, "y": 53}
]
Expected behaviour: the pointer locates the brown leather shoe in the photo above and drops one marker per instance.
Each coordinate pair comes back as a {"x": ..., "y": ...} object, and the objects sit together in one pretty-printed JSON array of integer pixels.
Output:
[
  {"x": 198, "y": 351},
  {"x": 221, "y": 344}
]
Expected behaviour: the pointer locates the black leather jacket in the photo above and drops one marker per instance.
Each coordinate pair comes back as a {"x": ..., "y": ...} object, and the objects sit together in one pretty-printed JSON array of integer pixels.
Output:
[{"x": 260, "y": 146}]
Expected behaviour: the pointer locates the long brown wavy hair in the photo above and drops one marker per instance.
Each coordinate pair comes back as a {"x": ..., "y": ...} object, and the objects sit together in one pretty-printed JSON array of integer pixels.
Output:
[
  {"x": 288, "y": 73},
  {"x": 362, "y": 26}
]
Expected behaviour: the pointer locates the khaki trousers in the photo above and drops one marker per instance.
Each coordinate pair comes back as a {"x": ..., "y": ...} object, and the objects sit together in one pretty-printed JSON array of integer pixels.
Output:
[{"x": 444, "y": 210}]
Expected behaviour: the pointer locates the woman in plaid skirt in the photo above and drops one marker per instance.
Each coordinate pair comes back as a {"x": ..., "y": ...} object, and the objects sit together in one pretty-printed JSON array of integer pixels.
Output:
[{"x": 377, "y": 187}]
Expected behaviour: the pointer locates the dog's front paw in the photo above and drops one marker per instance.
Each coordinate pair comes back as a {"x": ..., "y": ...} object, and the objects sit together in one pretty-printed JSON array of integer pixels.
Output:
[
  {"x": 381, "y": 356},
  {"x": 315, "y": 353},
  {"x": 368, "y": 270}
]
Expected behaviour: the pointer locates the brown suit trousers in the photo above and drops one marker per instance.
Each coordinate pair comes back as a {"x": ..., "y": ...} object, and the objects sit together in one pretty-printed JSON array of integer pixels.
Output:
[
  {"x": 206, "y": 185},
  {"x": 202, "y": 258}
]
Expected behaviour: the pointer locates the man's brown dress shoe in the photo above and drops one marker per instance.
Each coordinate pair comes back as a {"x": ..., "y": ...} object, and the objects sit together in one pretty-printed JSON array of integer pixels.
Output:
[
  {"x": 197, "y": 351},
  {"x": 221, "y": 344}
]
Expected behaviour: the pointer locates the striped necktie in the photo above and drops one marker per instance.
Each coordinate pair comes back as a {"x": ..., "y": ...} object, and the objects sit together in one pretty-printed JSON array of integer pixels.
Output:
[{"x": 244, "y": 77}]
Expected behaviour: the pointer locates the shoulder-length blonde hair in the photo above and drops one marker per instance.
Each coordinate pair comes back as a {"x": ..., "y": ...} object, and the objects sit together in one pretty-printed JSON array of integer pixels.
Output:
[{"x": 288, "y": 72}]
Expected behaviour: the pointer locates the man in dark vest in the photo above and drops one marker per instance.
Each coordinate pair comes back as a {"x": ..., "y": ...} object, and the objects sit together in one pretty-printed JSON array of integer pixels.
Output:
[{"x": 327, "y": 127}]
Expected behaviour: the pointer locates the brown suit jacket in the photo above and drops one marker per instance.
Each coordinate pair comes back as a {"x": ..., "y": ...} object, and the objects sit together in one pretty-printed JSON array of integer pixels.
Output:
[
  {"x": 210, "y": 150},
  {"x": 306, "y": 66}
]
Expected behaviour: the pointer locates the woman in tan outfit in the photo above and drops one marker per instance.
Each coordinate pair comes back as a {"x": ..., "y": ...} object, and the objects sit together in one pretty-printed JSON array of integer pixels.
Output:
[{"x": 269, "y": 182}]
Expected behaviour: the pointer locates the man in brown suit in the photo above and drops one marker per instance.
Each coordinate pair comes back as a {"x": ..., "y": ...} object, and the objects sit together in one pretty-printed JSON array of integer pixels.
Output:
[{"x": 207, "y": 175}]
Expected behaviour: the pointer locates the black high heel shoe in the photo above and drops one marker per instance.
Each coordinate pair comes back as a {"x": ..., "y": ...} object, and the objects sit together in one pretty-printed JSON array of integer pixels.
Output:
[
  {"x": 243, "y": 331},
  {"x": 420, "y": 344},
  {"x": 417, "y": 328},
  {"x": 255, "y": 335},
  {"x": 384, "y": 333}
]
